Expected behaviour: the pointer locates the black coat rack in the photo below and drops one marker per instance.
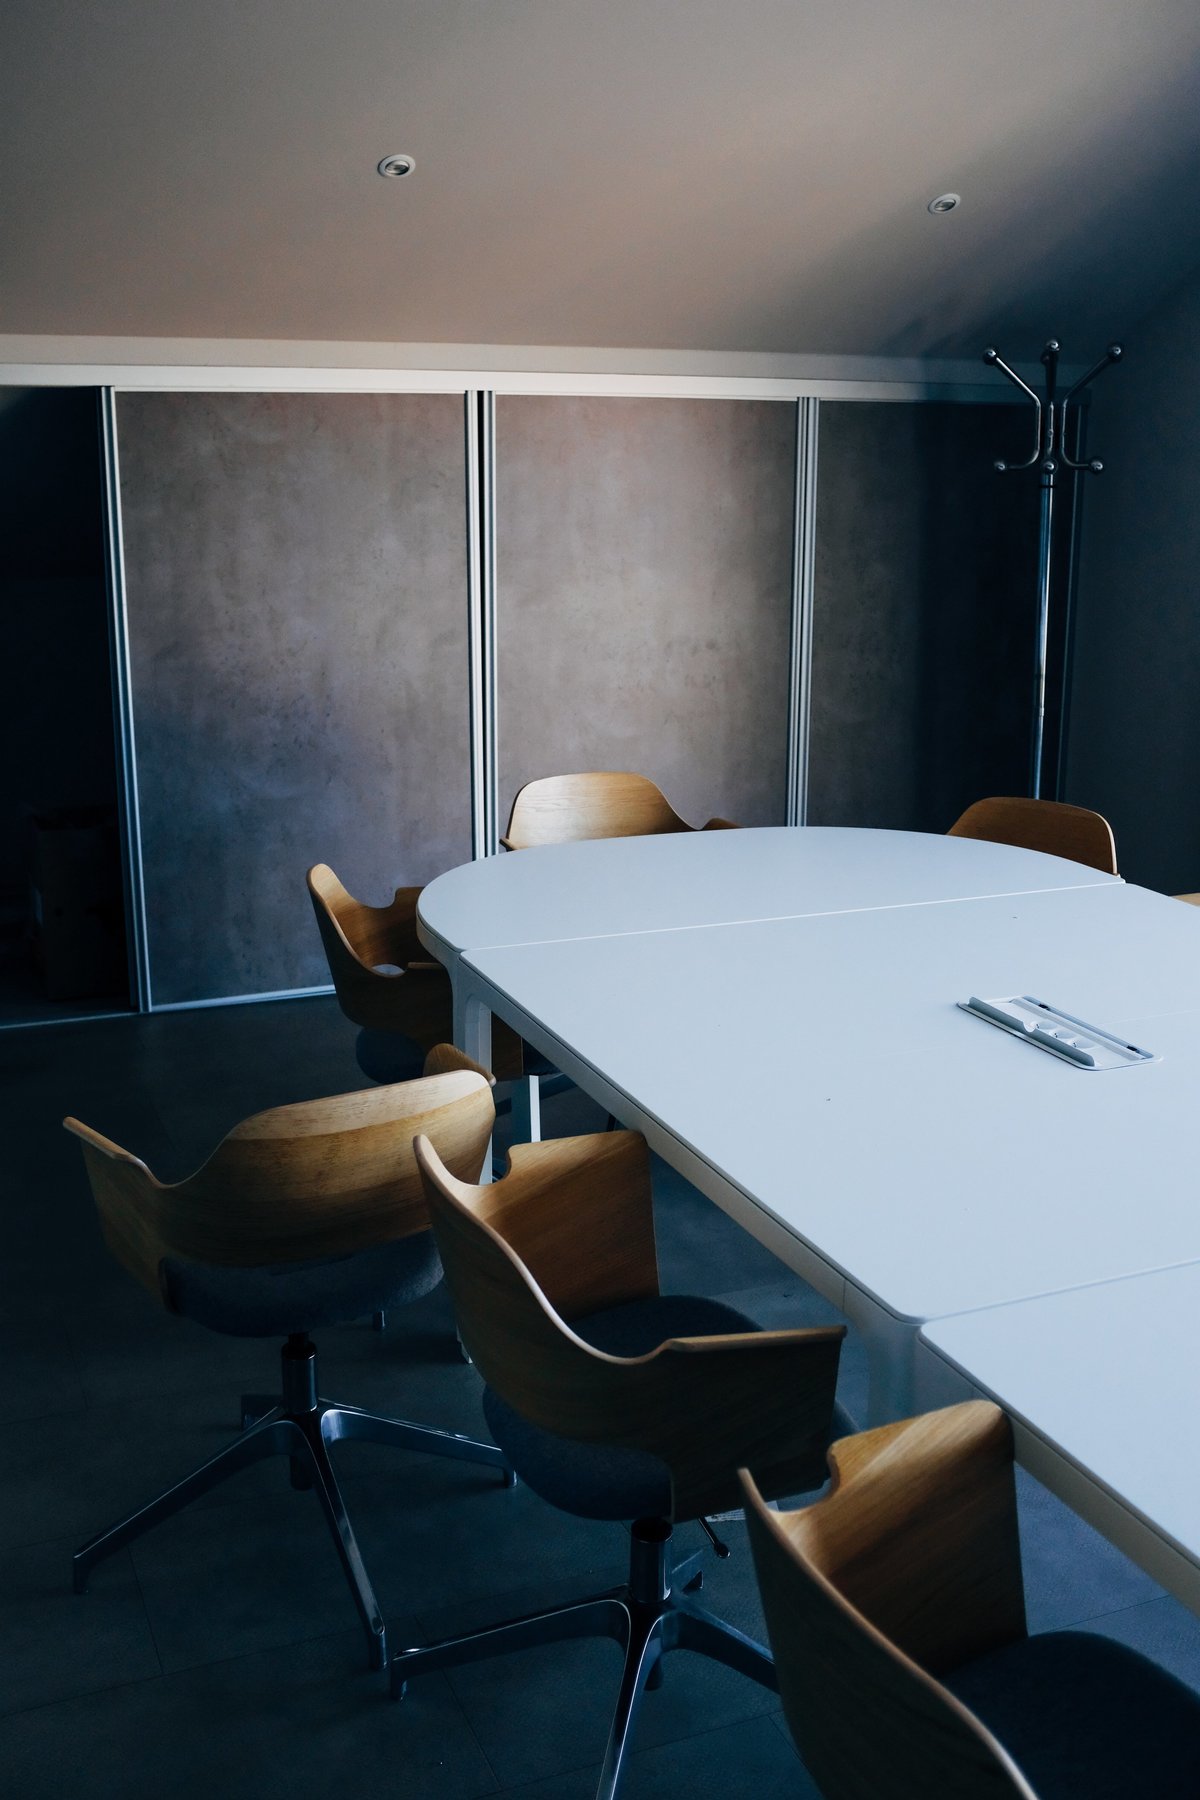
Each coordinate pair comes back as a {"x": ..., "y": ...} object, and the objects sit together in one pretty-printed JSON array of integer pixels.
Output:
[{"x": 1049, "y": 455}]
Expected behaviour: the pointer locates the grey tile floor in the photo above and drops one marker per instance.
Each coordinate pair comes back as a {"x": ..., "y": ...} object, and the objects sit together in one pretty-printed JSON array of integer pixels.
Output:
[{"x": 219, "y": 1655}]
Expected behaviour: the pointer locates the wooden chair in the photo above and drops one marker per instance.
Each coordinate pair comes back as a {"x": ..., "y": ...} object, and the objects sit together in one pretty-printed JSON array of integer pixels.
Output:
[
  {"x": 302, "y": 1217},
  {"x": 562, "y": 809},
  {"x": 1048, "y": 825},
  {"x": 896, "y": 1613},
  {"x": 614, "y": 1401},
  {"x": 388, "y": 985}
]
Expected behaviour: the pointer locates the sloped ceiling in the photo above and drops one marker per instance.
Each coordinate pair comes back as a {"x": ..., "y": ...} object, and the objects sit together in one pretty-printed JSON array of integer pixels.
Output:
[{"x": 737, "y": 175}]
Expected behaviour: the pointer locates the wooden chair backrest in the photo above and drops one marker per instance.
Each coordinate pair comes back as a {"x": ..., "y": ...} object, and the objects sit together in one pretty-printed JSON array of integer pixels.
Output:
[
  {"x": 562, "y": 809},
  {"x": 1048, "y": 825},
  {"x": 908, "y": 1567},
  {"x": 569, "y": 1231},
  {"x": 322, "y": 1178},
  {"x": 415, "y": 997},
  {"x": 358, "y": 938}
]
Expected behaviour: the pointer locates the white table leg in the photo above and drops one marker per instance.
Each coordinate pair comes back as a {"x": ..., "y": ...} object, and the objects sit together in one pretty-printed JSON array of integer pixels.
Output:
[
  {"x": 473, "y": 1036},
  {"x": 891, "y": 1356},
  {"x": 526, "y": 1110},
  {"x": 472, "y": 1021}
]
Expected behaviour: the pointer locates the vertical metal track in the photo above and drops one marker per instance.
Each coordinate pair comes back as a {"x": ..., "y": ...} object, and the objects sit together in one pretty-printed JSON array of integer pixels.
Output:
[
  {"x": 804, "y": 550},
  {"x": 127, "y": 786},
  {"x": 1074, "y": 543},
  {"x": 487, "y": 539},
  {"x": 481, "y": 595}
]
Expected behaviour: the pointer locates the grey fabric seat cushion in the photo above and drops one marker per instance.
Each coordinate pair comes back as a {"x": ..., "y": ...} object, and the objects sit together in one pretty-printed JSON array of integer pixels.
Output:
[
  {"x": 1085, "y": 1718},
  {"x": 277, "y": 1299},
  {"x": 388, "y": 1056},
  {"x": 600, "y": 1481}
]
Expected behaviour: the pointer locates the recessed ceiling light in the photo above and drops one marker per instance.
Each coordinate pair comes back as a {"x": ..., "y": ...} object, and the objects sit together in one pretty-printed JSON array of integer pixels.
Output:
[
  {"x": 943, "y": 204},
  {"x": 396, "y": 165}
]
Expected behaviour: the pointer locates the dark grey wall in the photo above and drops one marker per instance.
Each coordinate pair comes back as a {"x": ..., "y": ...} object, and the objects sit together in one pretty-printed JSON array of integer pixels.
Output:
[
  {"x": 644, "y": 590},
  {"x": 298, "y": 615},
  {"x": 297, "y": 596},
  {"x": 924, "y": 613},
  {"x": 56, "y": 734},
  {"x": 1134, "y": 741}
]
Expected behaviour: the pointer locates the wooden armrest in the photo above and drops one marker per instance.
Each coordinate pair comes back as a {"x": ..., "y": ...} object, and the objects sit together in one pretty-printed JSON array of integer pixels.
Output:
[
  {"x": 444, "y": 1058},
  {"x": 709, "y": 1406},
  {"x": 721, "y": 825},
  {"x": 919, "y": 1532},
  {"x": 95, "y": 1141},
  {"x": 128, "y": 1199},
  {"x": 579, "y": 1213}
]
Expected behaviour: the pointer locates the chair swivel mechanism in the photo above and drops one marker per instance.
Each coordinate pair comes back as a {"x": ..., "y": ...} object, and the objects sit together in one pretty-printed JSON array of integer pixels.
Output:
[
  {"x": 614, "y": 1401},
  {"x": 303, "y": 1217},
  {"x": 896, "y": 1612}
]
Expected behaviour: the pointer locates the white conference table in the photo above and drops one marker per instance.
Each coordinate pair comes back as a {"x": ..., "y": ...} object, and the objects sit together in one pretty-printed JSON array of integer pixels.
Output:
[
  {"x": 1102, "y": 1387},
  {"x": 775, "y": 1009}
]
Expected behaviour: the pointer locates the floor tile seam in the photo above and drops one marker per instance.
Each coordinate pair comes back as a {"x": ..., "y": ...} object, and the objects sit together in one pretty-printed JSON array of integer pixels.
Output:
[
  {"x": 636, "y": 1751},
  {"x": 466, "y": 952},
  {"x": 496, "y": 1787},
  {"x": 779, "y": 1721},
  {"x": 154, "y": 1644},
  {"x": 166, "y": 1674},
  {"x": 768, "y": 1709},
  {"x": 422, "y": 1615},
  {"x": 768, "y": 1706},
  {"x": 1110, "y": 1612},
  {"x": 112, "y": 1687},
  {"x": 711, "y": 1731},
  {"x": 52, "y": 1412},
  {"x": 285, "y": 1644}
]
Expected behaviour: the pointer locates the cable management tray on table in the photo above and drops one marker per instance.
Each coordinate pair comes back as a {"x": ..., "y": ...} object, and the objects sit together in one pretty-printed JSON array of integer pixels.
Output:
[{"x": 1083, "y": 1046}]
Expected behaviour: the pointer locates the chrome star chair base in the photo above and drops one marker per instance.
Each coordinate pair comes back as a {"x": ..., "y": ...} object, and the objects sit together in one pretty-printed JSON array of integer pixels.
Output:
[
  {"x": 615, "y": 1401},
  {"x": 300, "y": 1425},
  {"x": 304, "y": 1217},
  {"x": 649, "y": 1615}
]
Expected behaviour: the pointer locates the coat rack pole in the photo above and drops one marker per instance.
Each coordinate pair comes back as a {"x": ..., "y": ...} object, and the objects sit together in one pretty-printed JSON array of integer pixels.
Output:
[{"x": 1049, "y": 454}]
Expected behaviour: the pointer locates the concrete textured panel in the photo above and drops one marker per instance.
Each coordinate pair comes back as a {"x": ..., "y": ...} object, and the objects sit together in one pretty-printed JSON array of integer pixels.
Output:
[
  {"x": 298, "y": 620},
  {"x": 924, "y": 613},
  {"x": 643, "y": 591},
  {"x": 1135, "y": 722}
]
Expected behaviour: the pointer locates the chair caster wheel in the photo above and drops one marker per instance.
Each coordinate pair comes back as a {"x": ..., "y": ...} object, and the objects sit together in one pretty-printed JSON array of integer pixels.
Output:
[
  {"x": 695, "y": 1584},
  {"x": 509, "y": 1478}
]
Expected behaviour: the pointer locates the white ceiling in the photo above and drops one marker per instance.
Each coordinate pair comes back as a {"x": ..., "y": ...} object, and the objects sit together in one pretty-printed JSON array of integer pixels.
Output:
[{"x": 725, "y": 175}]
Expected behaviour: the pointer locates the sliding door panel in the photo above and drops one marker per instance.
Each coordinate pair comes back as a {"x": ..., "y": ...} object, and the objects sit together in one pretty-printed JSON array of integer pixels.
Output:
[
  {"x": 924, "y": 613},
  {"x": 296, "y": 574},
  {"x": 644, "y": 558}
]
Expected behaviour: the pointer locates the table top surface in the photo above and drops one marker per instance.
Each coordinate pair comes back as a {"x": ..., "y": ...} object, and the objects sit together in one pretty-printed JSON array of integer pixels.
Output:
[
  {"x": 818, "y": 1062},
  {"x": 822, "y": 1067},
  {"x": 1106, "y": 1376},
  {"x": 603, "y": 887},
  {"x": 782, "y": 1004}
]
